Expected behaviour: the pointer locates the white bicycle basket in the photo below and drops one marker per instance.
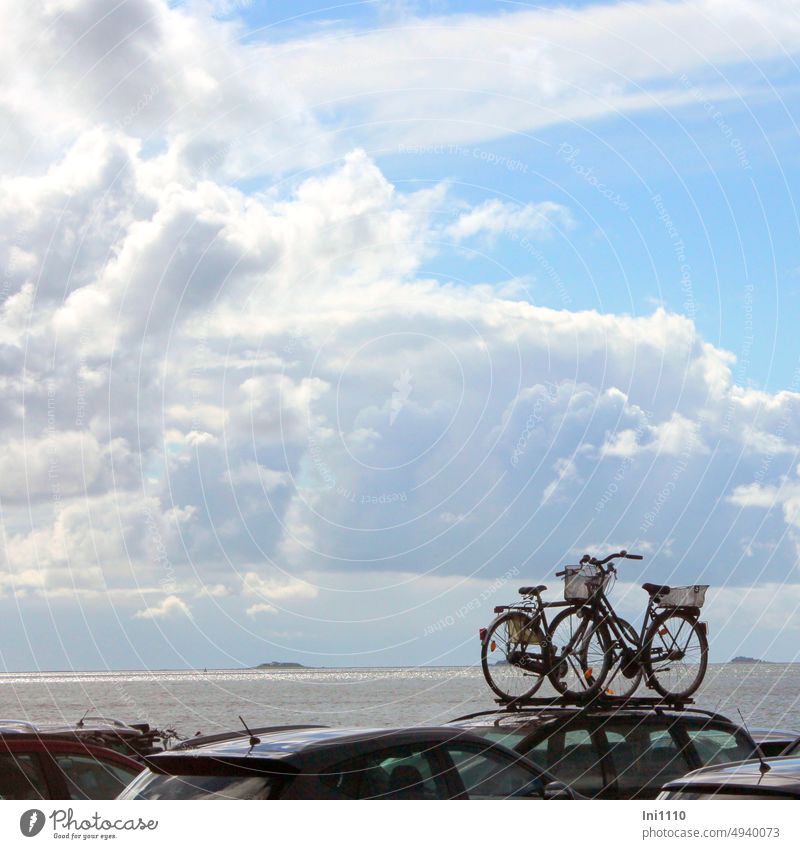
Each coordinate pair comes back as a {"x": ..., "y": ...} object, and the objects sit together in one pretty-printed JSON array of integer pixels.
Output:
[
  {"x": 582, "y": 582},
  {"x": 683, "y": 596}
]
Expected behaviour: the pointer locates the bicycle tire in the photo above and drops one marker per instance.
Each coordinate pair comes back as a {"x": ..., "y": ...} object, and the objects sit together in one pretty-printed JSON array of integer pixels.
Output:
[
  {"x": 593, "y": 659},
  {"x": 661, "y": 659},
  {"x": 616, "y": 683},
  {"x": 508, "y": 679}
]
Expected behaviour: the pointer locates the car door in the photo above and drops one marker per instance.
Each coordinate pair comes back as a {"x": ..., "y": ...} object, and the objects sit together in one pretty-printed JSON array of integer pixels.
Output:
[
  {"x": 22, "y": 776},
  {"x": 492, "y": 774},
  {"x": 644, "y": 754},
  {"x": 572, "y": 753}
]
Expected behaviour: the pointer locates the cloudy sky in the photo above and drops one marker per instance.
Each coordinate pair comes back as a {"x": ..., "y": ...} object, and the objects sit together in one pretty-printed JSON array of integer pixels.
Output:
[{"x": 322, "y": 331}]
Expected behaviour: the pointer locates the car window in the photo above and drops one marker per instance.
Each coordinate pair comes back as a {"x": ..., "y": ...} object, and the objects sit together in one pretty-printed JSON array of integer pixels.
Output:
[
  {"x": 571, "y": 756},
  {"x": 88, "y": 778},
  {"x": 645, "y": 757},
  {"x": 773, "y": 748},
  {"x": 21, "y": 777},
  {"x": 492, "y": 775},
  {"x": 405, "y": 772},
  {"x": 508, "y": 737},
  {"x": 719, "y": 745},
  {"x": 215, "y": 787}
]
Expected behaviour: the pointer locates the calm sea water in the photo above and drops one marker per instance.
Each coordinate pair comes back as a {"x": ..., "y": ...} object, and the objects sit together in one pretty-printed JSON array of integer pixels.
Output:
[{"x": 190, "y": 701}]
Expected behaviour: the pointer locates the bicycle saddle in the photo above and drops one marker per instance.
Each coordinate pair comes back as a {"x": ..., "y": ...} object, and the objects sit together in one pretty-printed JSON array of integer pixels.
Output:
[
  {"x": 656, "y": 589},
  {"x": 532, "y": 590}
]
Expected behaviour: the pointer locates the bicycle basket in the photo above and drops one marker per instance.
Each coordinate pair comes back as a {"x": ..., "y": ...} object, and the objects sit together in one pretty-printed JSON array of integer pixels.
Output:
[
  {"x": 683, "y": 596},
  {"x": 520, "y": 630},
  {"x": 582, "y": 582}
]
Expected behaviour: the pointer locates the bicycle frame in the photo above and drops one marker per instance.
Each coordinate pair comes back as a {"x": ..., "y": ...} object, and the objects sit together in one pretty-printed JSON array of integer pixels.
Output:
[{"x": 535, "y": 610}]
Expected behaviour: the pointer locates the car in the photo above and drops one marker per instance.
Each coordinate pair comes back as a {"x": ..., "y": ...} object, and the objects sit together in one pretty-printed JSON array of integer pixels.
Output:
[
  {"x": 745, "y": 780},
  {"x": 36, "y": 767},
  {"x": 355, "y": 763},
  {"x": 613, "y": 751},
  {"x": 773, "y": 742},
  {"x": 134, "y": 740}
]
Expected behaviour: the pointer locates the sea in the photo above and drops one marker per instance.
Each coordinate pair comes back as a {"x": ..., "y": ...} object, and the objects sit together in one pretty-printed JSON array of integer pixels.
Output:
[{"x": 191, "y": 701}]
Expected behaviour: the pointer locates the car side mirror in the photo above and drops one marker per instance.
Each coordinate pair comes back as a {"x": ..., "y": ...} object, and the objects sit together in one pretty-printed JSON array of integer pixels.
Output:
[{"x": 558, "y": 790}]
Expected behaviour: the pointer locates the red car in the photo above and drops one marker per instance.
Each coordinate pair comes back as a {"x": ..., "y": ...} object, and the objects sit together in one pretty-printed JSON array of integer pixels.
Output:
[{"x": 39, "y": 767}]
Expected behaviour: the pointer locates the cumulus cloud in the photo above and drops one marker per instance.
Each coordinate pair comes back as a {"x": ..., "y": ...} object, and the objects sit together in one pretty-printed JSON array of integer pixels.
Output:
[
  {"x": 199, "y": 380},
  {"x": 169, "y": 607}
]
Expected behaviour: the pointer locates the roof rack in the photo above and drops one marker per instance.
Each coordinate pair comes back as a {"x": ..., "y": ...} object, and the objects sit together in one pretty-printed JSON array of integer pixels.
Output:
[{"x": 600, "y": 701}]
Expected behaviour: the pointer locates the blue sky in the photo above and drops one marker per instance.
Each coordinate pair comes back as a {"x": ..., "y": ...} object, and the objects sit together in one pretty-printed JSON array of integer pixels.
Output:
[{"x": 321, "y": 323}]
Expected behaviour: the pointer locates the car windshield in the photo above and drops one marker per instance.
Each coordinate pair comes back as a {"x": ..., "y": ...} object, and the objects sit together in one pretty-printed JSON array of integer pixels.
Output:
[{"x": 154, "y": 786}]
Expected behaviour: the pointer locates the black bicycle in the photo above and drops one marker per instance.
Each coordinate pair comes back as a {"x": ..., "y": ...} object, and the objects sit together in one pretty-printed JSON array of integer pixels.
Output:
[{"x": 588, "y": 648}]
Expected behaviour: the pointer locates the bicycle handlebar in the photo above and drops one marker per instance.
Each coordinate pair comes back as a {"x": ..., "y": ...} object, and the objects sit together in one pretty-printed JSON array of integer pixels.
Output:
[
  {"x": 620, "y": 554},
  {"x": 593, "y": 561}
]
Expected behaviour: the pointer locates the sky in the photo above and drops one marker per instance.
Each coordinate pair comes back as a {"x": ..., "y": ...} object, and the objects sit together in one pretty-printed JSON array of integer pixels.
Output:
[{"x": 325, "y": 327}]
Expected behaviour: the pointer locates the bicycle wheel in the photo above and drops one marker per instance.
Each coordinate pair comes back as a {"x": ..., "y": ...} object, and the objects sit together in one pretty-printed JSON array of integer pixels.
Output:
[
  {"x": 675, "y": 654},
  {"x": 625, "y": 671},
  {"x": 511, "y": 655},
  {"x": 578, "y": 672}
]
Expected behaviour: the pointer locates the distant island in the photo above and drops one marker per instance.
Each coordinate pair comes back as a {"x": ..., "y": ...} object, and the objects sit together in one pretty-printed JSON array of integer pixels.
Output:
[
  {"x": 748, "y": 660},
  {"x": 279, "y": 664}
]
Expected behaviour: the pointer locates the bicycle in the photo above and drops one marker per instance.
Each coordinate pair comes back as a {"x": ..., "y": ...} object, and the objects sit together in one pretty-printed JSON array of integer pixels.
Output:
[{"x": 588, "y": 644}]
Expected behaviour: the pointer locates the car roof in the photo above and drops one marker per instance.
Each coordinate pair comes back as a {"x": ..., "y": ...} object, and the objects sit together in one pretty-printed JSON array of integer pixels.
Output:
[
  {"x": 783, "y": 774},
  {"x": 774, "y": 735},
  {"x": 237, "y": 734},
  {"x": 287, "y": 745}
]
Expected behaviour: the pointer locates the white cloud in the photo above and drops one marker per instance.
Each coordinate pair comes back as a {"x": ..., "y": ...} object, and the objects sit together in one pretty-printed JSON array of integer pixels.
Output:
[
  {"x": 261, "y": 607},
  {"x": 785, "y": 494},
  {"x": 277, "y": 588},
  {"x": 196, "y": 379},
  {"x": 494, "y": 217},
  {"x": 171, "y": 606}
]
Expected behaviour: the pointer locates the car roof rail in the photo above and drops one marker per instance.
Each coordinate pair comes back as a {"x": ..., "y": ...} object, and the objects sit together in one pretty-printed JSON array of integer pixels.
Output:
[
  {"x": 19, "y": 725},
  {"x": 108, "y": 720},
  {"x": 559, "y": 704}
]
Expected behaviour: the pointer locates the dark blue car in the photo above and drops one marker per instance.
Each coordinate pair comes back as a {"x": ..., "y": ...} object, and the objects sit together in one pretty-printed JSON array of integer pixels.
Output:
[{"x": 325, "y": 763}]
